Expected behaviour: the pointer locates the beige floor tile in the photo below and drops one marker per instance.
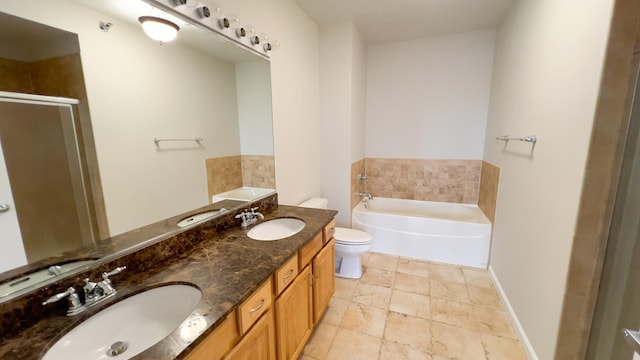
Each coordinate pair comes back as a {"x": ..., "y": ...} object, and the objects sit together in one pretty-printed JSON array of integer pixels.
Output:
[
  {"x": 411, "y": 283},
  {"x": 383, "y": 262},
  {"x": 345, "y": 288},
  {"x": 479, "y": 278},
  {"x": 365, "y": 319},
  {"x": 376, "y": 296},
  {"x": 493, "y": 321},
  {"x": 456, "y": 342},
  {"x": 320, "y": 342},
  {"x": 413, "y": 267},
  {"x": 354, "y": 346},
  {"x": 409, "y": 330},
  {"x": 453, "y": 313},
  {"x": 393, "y": 351},
  {"x": 449, "y": 290},
  {"x": 445, "y": 273},
  {"x": 378, "y": 277},
  {"x": 498, "y": 348},
  {"x": 335, "y": 311},
  {"x": 365, "y": 259},
  {"x": 484, "y": 296},
  {"x": 410, "y": 304}
]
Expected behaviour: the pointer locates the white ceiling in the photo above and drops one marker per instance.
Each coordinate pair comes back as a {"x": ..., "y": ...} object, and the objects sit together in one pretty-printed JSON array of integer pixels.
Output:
[{"x": 382, "y": 21}]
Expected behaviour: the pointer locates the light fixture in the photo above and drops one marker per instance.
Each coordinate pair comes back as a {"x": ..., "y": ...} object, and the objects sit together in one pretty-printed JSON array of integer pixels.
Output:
[
  {"x": 246, "y": 30},
  {"x": 271, "y": 46},
  {"x": 259, "y": 39},
  {"x": 190, "y": 3},
  {"x": 228, "y": 21},
  {"x": 159, "y": 29}
]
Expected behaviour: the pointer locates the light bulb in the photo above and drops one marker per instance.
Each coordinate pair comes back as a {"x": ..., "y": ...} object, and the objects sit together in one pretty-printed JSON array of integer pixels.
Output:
[
  {"x": 229, "y": 21},
  {"x": 272, "y": 46},
  {"x": 246, "y": 30},
  {"x": 260, "y": 39}
]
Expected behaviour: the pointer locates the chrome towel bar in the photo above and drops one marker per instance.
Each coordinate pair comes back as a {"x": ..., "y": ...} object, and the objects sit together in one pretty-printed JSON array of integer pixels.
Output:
[
  {"x": 531, "y": 138},
  {"x": 198, "y": 140}
]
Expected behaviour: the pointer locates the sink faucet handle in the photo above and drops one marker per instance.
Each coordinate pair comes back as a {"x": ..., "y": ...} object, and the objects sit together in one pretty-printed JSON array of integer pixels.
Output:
[
  {"x": 116, "y": 271},
  {"x": 74, "y": 299}
]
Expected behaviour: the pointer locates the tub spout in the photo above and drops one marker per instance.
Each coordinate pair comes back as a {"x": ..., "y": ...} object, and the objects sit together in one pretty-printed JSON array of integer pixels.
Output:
[{"x": 366, "y": 196}]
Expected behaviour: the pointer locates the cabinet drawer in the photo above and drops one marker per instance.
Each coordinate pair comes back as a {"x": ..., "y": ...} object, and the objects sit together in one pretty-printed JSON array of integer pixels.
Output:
[
  {"x": 219, "y": 342},
  {"x": 251, "y": 309},
  {"x": 309, "y": 250},
  {"x": 328, "y": 231},
  {"x": 286, "y": 274}
]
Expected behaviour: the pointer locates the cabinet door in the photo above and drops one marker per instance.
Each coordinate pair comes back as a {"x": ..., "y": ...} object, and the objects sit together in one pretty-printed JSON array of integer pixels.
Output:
[
  {"x": 294, "y": 316},
  {"x": 259, "y": 343},
  {"x": 324, "y": 279}
]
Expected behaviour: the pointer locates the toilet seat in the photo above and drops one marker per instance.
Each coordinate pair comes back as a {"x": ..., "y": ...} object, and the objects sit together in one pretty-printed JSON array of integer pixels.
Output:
[{"x": 346, "y": 236}]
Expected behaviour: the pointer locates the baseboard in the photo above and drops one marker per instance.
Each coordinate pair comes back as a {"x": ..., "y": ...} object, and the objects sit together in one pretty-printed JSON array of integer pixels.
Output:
[{"x": 531, "y": 354}]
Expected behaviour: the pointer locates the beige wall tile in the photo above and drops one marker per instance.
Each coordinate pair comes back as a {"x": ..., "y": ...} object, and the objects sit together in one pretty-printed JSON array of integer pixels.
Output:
[
  {"x": 258, "y": 171},
  {"x": 223, "y": 174},
  {"x": 424, "y": 179},
  {"x": 488, "y": 195},
  {"x": 357, "y": 186}
]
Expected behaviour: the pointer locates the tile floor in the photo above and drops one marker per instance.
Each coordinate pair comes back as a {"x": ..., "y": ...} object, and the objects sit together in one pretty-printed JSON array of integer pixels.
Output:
[{"x": 403, "y": 309}]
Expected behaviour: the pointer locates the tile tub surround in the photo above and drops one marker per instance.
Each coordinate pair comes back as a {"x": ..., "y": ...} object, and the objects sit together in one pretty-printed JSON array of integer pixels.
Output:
[
  {"x": 258, "y": 171},
  {"x": 488, "y": 194},
  {"x": 225, "y": 264},
  {"x": 408, "y": 309},
  {"x": 455, "y": 181},
  {"x": 223, "y": 174}
]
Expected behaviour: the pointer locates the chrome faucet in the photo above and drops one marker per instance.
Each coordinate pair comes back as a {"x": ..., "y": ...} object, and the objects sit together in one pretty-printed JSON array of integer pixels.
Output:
[
  {"x": 94, "y": 293},
  {"x": 366, "y": 196},
  {"x": 249, "y": 217}
]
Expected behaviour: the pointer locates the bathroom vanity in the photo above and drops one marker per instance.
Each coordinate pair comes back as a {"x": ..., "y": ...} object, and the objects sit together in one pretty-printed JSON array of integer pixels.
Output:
[{"x": 258, "y": 297}]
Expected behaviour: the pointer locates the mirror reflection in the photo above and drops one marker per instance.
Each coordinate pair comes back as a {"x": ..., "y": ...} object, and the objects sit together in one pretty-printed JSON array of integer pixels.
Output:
[{"x": 92, "y": 169}]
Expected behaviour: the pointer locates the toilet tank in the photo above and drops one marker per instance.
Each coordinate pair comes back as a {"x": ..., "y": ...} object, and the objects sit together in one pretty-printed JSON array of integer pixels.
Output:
[{"x": 316, "y": 203}]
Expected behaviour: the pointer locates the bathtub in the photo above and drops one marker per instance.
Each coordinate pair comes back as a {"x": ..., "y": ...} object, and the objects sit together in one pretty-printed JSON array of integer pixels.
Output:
[{"x": 449, "y": 233}]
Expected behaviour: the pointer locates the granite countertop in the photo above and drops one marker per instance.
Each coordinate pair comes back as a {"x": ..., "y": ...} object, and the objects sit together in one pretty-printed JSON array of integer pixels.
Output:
[{"x": 227, "y": 268}]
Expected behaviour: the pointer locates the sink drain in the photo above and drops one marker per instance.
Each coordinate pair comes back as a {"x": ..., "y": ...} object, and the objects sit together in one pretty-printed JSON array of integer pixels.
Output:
[{"x": 117, "y": 348}]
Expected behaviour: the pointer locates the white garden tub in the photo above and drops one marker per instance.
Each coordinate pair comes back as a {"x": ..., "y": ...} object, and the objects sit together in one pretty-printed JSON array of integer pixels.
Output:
[{"x": 450, "y": 233}]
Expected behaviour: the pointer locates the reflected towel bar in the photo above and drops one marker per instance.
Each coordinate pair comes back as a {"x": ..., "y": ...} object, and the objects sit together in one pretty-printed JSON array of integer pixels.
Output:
[
  {"x": 531, "y": 139},
  {"x": 198, "y": 140}
]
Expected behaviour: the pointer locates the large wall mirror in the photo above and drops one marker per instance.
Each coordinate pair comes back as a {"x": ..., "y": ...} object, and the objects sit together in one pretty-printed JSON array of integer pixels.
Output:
[{"x": 130, "y": 91}]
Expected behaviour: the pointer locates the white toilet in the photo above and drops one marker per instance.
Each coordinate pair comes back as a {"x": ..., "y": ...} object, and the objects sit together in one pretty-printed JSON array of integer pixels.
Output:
[{"x": 350, "y": 244}]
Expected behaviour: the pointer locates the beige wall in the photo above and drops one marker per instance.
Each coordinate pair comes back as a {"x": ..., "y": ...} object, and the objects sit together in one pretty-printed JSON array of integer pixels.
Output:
[{"x": 548, "y": 61}]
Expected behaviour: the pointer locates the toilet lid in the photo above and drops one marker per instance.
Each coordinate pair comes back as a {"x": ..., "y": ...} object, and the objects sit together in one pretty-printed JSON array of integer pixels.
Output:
[{"x": 352, "y": 236}]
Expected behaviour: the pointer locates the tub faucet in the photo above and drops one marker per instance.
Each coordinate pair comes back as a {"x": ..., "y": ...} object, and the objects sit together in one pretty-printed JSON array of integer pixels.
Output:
[{"x": 366, "y": 196}]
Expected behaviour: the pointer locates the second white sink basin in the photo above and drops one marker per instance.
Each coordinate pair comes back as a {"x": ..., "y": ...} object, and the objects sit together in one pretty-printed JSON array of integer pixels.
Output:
[
  {"x": 276, "y": 229},
  {"x": 128, "y": 327}
]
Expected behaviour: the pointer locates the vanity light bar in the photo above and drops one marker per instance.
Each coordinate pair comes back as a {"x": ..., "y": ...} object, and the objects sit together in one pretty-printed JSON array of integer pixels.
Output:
[{"x": 210, "y": 18}]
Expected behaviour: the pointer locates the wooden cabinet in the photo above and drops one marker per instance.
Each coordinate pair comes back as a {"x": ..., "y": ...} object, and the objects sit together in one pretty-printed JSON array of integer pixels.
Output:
[
  {"x": 286, "y": 274},
  {"x": 323, "y": 279},
  {"x": 257, "y": 304},
  {"x": 259, "y": 343},
  {"x": 294, "y": 320},
  {"x": 255, "y": 331},
  {"x": 219, "y": 342}
]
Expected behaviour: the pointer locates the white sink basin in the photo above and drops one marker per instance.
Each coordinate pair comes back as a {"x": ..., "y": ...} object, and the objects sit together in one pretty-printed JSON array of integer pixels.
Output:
[
  {"x": 138, "y": 322},
  {"x": 276, "y": 229}
]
